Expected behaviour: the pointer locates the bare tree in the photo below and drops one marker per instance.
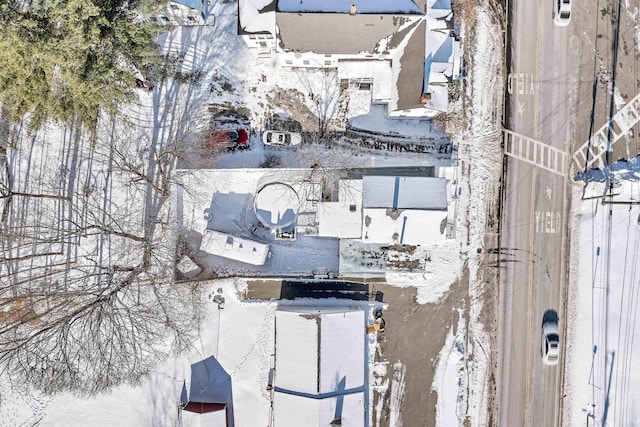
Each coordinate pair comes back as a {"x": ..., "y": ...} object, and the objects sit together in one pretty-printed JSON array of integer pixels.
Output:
[
  {"x": 87, "y": 243},
  {"x": 324, "y": 93}
]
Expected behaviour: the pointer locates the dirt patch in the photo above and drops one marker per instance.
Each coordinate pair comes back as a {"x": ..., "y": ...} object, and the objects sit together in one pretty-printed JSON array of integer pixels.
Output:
[
  {"x": 404, "y": 264},
  {"x": 263, "y": 289},
  {"x": 394, "y": 213},
  {"x": 408, "y": 249},
  {"x": 414, "y": 335},
  {"x": 20, "y": 310},
  {"x": 292, "y": 101}
]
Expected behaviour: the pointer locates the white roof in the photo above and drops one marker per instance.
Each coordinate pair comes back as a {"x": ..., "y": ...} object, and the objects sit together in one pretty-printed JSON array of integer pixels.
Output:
[
  {"x": 252, "y": 21},
  {"x": 439, "y": 4},
  {"x": 439, "y": 96},
  {"x": 232, "y": 247},
  {"x": 439, "y": 46},
  {"x": 444, "y": 68},
  {"x": 192, "y": 4},
  {"x": 336, "y": 219},
  {"x": 319, "y": 350},
  {"x": 422, "y": 227},
  {"x": 379, "y": 71},
  {"x": 295, "y": 411},
  {"x": 398, "y": 192},
  {"x": 438, "y": 8}
]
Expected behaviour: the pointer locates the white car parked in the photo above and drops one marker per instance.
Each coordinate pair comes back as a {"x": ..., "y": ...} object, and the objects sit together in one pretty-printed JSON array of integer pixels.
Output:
[
  {"x": 550, "y": 343},
  {"x": 271, "y": 137},
  {"x": 561, "y": 12}
]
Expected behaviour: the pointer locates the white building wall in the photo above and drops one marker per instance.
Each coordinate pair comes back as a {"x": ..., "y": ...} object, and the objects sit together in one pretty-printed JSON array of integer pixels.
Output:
[
  {"x": 179, "y": 13},
  {"x": 263, "y": 43}
]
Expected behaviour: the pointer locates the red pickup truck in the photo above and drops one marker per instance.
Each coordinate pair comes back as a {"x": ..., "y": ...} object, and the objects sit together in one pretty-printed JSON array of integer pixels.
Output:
[{"x": 227, "y": 138}]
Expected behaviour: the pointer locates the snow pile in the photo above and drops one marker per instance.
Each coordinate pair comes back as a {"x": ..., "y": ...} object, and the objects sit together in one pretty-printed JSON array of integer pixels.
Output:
[
  {"x": 451, "y": 380},
  {"x": 378, "y": 380},
  {"x": 479, "y": 177},
  {"x": 397, "y": 394}
]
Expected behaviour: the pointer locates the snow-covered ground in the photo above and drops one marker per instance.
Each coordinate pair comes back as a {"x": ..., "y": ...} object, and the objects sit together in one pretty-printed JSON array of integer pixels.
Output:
[
  {"x": 603, "y": 343},
  {"x": 461, "y": 376},
  {"x": 241, "y": 335}
]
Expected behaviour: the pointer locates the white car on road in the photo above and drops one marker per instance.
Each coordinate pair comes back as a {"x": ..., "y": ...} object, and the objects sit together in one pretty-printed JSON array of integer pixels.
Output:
[
  {"x": 271, "y": 137},
  {"x": 561, "y": 12},
  {"x": 550, "y": 343}
]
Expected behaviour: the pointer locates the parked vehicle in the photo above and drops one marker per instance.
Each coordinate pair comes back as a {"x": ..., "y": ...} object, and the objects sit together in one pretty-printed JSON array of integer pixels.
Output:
[
  {"x": 561, "y": 12},
  {"x": 550, "y": 343},
  {"x": 271, "y": 137},
  {"x": 227, "y": 138}
]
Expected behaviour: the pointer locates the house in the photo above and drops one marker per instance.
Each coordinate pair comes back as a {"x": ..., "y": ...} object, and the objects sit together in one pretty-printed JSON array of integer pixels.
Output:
[
  {"x": 320, "y": 367},
  {"x": 233, "y": 247},
  {"x": 401, "y": 52},
  {"x": 183, "y": 12},
  {"x": 442, "y": 61}
]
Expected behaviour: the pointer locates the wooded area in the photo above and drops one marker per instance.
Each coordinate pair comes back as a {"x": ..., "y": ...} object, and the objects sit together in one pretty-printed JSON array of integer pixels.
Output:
[
  {"x": 87, "y": 233},
  {"x": 68, "y": 60}
]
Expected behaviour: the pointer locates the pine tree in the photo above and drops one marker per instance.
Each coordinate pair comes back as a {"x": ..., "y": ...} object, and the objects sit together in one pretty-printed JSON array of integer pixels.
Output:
[{"x": 70, "y": 60}]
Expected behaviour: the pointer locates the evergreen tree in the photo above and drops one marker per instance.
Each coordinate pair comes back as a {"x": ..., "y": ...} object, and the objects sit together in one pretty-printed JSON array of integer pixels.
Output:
[{"x": 68, "y": 60}]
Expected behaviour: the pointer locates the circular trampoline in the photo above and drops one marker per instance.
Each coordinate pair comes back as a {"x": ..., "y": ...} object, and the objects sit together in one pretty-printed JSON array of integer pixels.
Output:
[{"x": 276, "y": 206}]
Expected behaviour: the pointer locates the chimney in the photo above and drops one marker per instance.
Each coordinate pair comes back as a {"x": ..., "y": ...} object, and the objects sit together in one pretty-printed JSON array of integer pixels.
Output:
[
  {"x": 426, "y": 97},
  {"x": 352, "y": 9}
]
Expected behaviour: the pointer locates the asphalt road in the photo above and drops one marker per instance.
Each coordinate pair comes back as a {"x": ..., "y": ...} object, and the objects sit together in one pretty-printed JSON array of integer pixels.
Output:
[
  {"x": 597, "y": 34},
  {"x": 542, "y": 103}
]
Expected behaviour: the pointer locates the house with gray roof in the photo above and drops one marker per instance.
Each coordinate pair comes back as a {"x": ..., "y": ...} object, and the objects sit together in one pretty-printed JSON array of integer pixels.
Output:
[{"x": 392, "y": 36}]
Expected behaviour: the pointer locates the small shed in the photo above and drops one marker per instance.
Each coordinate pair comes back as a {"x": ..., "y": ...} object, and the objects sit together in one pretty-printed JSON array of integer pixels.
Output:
[{"x": 210, "y": 399}]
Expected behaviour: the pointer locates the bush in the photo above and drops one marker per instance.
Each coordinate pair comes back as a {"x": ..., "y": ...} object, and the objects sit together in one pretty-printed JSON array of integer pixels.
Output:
[{"x": 271, "y": 161}]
